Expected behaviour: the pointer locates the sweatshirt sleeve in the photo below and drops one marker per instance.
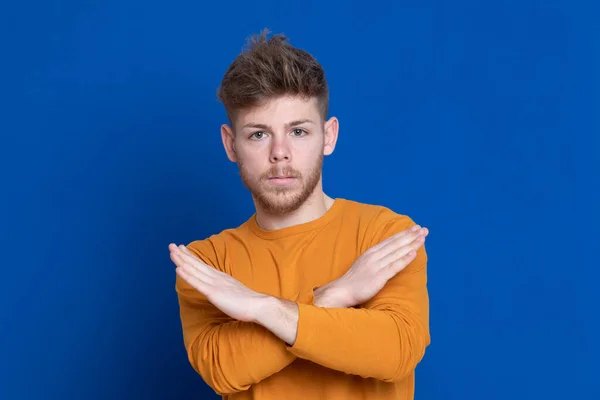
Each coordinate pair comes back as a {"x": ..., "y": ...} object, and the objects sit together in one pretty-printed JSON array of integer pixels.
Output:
[
  {"x": 230, "y": 355},
  {"x": 383, "y": 339}
]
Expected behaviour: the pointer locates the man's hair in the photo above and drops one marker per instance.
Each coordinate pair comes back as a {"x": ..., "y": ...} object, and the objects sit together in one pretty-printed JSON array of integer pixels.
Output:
[{"x": 268, "y": 68}]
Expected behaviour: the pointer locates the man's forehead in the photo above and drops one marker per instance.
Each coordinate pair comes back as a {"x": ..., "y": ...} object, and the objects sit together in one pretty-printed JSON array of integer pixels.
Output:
[{"x": 280, "y": 113}]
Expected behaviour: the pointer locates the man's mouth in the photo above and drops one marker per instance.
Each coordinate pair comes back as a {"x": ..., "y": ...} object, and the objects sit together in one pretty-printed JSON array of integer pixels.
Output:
[{"x": 282, "y": 180}]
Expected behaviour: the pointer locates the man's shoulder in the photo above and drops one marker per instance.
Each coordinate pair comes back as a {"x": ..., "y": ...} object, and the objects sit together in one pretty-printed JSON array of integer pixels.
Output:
[
  {"x": 212, "y": 248},
  {"x": 376, "y": 222},
  {"x": 377, "y": 215}
]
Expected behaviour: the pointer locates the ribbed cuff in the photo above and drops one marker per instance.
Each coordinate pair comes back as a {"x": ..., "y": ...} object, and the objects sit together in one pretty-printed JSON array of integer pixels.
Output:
[
  {"x": 306, "y": 332},
  {"x": 307, "y": 297}
]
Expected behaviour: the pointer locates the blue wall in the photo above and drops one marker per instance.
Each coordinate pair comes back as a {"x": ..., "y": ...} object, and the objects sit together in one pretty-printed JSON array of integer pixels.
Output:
[{"x": 477, "y": 119}]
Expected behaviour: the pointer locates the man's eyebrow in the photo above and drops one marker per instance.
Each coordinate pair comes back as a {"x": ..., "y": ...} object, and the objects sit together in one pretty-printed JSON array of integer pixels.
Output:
[
  {"x": 299, "y": 122},
  {"x": 287, "y": 126}
]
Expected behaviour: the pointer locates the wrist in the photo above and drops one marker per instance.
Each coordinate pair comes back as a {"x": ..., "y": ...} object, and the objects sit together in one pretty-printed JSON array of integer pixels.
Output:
[
  {"x": 332, "y": 296},
  {"x": 278, "y": 316},
  {"x": 262, "y": 305}
]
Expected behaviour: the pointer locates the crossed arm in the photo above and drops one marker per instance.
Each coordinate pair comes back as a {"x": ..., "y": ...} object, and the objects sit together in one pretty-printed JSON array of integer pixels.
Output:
[{"x": 236, "y": 337}]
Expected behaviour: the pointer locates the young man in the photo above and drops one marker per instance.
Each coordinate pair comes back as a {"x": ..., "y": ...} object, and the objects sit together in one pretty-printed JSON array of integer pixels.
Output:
[{"x": 312, "y": 297}]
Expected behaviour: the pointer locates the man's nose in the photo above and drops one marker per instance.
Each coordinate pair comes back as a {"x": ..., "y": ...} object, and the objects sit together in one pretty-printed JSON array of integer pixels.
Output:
[{"x": 280, "y": 150}]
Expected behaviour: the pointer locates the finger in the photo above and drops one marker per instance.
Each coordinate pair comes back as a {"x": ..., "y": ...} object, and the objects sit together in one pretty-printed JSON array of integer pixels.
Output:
[
  {"x": 192, "y": 266},
  {"x": 399, "y": 252},
  {"x": 199, "y": 273},
  {"x": 175, "y": 250},
  {"x": 395, "y": 267},
  {"x": 188, "y": 256},
  {"x": 185, "y": 250},
  {"x": 405, "y": 232},
  {"x": 403, "y": 237},
  {"x": 207, "y": 269},
  {"x": 193, "y": 281},
  {"x": 402, "y": 241},
  {"x": 177, "y": 259}
]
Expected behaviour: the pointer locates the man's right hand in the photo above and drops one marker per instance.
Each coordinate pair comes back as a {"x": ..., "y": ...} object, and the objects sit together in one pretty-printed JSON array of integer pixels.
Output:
[{"x": 371, "y": 271}]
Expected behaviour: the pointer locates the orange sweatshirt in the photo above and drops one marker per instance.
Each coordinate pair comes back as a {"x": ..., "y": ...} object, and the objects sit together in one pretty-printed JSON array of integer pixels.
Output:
[{"x": 365, "y": 352}]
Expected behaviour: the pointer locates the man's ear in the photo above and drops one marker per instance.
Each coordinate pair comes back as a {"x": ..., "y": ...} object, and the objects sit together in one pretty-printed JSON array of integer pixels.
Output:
[
  {"x": 228, "y": 138},
  {"x": 331, "y": 135}
]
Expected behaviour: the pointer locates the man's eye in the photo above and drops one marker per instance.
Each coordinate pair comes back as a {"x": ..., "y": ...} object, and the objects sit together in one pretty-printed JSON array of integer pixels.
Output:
[
  {"x": 299, "y": 132},
  {"x": 258, "y": 135}
]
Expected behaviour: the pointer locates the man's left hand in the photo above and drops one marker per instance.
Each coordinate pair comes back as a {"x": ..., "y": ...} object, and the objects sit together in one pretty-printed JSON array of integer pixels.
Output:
[{"x": 223, "y": 291}]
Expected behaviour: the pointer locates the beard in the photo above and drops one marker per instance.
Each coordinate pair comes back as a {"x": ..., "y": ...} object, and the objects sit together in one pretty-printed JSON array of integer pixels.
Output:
[{"x": 277, "y": 200}]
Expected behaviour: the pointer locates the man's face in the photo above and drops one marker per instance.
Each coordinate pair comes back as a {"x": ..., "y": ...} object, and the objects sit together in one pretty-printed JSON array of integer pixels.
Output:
[{"x": 279, "y": 149}]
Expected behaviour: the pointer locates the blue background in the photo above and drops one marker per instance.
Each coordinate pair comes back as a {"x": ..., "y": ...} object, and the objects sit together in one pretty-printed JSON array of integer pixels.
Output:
[{"x": 477, "y": 119}]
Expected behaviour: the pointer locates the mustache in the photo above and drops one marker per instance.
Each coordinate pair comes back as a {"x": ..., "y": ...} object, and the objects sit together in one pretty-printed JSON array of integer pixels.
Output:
[{"x": 287, "y": 172}]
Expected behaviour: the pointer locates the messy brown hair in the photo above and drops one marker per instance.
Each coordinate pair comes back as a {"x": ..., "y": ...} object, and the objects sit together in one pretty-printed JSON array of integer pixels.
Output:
[{"x": 268, "y": 68}]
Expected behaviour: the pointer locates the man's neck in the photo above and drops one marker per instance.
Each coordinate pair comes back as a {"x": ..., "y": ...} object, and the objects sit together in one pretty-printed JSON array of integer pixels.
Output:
[{"x": 313, "y": 208}]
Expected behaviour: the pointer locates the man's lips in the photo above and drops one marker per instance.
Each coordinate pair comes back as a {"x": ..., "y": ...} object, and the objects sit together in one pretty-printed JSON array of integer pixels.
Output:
[{"x": 282, "y": 180}]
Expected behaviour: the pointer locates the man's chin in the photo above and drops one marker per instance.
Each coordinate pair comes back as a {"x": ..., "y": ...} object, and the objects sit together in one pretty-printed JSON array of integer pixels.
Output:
[{"x": 280, "y": 202}]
